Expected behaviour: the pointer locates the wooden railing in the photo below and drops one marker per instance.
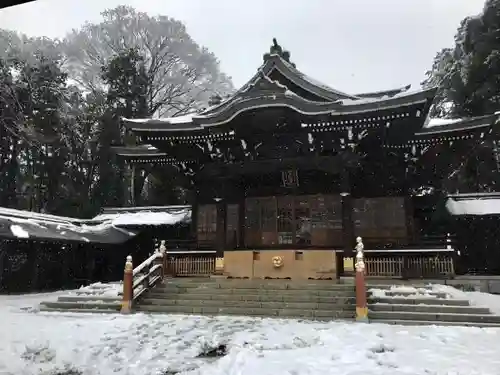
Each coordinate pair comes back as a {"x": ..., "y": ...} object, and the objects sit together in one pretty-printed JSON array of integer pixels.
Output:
[
  {"x": 431, "y": 257},
  {"x": 407, "y": 263},
  {"x": 192, "y": 264},
  {"x": 137, "y": 281},
  {"x": 147, "y": 274}
]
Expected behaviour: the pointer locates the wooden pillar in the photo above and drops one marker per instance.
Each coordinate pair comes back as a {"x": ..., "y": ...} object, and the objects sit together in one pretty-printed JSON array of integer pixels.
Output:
[
  {"x": 34, "y": 256},
  {"x": 132, "y": 185},
  {"x": 409, "y": 220},
  {"x": 194, "y": 216},
  {"x": 347, "y": 220},
  {"x": 408, "y": 204},
  {"x": 90, "y": 260},
  {"x": 221, "y": 227},
  {"x": 3, "y": 254},
  {"x": 241, "y": 218},
  {"x": 241, "y": 224},
  {"x": 66, "y": 251}
]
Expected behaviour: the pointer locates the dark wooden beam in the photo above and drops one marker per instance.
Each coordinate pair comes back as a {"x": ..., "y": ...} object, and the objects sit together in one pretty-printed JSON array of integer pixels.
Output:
[{"x": 329, "y": 164}]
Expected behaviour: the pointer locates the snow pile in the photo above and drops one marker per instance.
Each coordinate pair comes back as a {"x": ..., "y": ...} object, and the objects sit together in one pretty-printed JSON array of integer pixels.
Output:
[
  {"x": 19, "y": 231},
  {"x": 49, "y": 343},
  {"x": 478, "y": 299},
  {"x": 403, "y": 291},
  {"x": 101, "y": 289}
]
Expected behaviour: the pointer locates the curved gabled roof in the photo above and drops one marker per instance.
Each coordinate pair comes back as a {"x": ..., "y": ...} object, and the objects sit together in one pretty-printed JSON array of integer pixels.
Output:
[
  {"x": 322, "y": 91},
  {"x": 280, "y": 97},
  {"x": 278, "y": 83},
  {"x": 380, "y": 94},
  {"x": 449, "y": 126}
]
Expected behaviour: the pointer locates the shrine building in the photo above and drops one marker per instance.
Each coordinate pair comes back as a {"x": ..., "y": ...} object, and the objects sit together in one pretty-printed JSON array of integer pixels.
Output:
[{"x": 287, "y": 172}]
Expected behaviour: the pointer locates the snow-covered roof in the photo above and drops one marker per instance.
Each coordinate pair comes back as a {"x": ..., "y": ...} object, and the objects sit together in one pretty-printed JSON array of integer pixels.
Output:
[
  {"x": 229, "y": 111},
  {"x": 381, "y": 93},
  {"x": 442, "y": 121},
  {"x": 433, "y": 126},
  {"x": 108, "y": 227},
  {"x": 474, "y": 205},
  {"x": 36, "y": 215},
  {"x": 277, "y": 73},
  {"x": 12, "y": 227},
  {"x": 170, "y": 215}
]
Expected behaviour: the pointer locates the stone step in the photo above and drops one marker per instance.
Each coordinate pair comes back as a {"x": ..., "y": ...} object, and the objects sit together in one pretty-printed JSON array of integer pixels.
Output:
[
  {"x": 82, "y": 305},
  {"x": 242, "y": 311},
  {"x": 420, "y": 300},
  {"x": 249, "y": 304},
  {"x": 257, "y": 286},
  {"x": 88, "y": 311},
  {"x": 278, "y": 297},
  {"x": 389, "y": 286},
  {"x": 434, "y": 323},
  {"x": 84, "y": 298},
  {"x": 397, "y": 293},
  {"x": 445, "y": 317},
  {"x": 243, "y": 291},
  {"x": 435, "y": 309},
  {"x": 93, "y": 293}
]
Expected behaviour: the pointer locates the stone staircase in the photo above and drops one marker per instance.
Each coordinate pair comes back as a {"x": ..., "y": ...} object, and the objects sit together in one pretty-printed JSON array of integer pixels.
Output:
[
  {"x": 95, "y": 298},
  {"x": 319, "y": 300},
  {"x": 425, "y": 307},
  {"x": 411, "y": 304}
]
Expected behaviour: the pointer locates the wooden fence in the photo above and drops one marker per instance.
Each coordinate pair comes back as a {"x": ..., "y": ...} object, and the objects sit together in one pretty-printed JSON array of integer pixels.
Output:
[
  {"x": 409, "y": 266},
  {"x": 192, "y": 265},
  {"x": 405, "y": 265}
]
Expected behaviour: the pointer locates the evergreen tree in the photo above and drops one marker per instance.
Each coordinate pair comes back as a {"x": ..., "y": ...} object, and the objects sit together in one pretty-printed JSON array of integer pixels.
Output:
[{"x": 468, "y": 75}]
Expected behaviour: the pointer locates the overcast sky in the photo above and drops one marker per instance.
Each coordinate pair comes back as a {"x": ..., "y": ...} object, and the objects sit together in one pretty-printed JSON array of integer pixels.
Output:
[{"x": 351, "y": 45}]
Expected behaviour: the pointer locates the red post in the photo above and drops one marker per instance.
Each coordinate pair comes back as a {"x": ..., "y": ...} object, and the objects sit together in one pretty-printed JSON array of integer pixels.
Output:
[
  {"x": 163, "y": 250},
  {"x": 128, "y": 284},
  {"x": 361, "y": 303}
]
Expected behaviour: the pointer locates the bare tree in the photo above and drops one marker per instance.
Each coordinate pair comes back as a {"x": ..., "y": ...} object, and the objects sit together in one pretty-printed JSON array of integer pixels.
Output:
[{"x": 181, "y": 74}]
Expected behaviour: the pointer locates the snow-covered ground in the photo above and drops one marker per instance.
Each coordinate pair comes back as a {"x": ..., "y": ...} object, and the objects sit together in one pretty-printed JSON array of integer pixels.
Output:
[{"x": 48, "y": 343}]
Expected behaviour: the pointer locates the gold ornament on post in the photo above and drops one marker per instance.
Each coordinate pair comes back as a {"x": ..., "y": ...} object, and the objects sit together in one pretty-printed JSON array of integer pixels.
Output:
[{"x": 277, "y": 262}]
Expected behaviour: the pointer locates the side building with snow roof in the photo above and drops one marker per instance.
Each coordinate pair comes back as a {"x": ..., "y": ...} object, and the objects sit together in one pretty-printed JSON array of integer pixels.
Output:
[
  {"x": 47, "y": 252},
  {"x": 289, "y": 167}
]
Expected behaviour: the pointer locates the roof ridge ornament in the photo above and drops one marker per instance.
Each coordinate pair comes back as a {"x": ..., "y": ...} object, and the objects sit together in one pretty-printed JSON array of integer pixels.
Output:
[{"x": 276, "y": 49}]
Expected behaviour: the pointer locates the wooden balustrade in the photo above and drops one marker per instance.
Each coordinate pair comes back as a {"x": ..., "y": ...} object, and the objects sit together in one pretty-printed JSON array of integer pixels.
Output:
[
  {"x": 192, "y": 265},
  {"x": 409, "y": 265},
  {"x": 137, "y": 281}
]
